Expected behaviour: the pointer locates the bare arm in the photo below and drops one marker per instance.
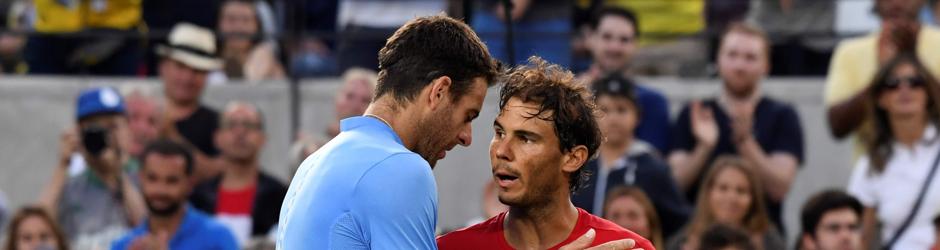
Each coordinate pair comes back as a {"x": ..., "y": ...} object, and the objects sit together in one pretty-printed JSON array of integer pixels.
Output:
[
  {"x": 777, "y": 170},
  {"x": 846, "y": 116},
  {"x": 869, "y": 226},
  {"x": 687, "y": 166},
  {"x": 49, "y": 199},
  {"x": 134, "y": 202}
]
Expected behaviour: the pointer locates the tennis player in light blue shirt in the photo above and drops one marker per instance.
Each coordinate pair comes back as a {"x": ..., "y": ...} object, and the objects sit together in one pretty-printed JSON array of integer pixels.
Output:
[{"x": 371, "y": 187}]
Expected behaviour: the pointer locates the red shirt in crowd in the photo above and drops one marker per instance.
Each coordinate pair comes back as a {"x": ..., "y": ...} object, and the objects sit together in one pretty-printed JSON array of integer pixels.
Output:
[
  {"x": 234, "y": 202},
  {"x": 489, "y": 234}
]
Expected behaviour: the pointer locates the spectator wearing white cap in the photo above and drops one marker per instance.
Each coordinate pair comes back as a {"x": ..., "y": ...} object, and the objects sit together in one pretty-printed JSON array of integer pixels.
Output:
[
  {"x": 100, "y": 203},
  {"x": 184, "y": 67}
]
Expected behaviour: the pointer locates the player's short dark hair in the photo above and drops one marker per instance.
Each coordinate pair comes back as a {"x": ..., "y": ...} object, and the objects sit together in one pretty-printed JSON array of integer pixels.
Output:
[
  {"x": 617, "y": 12},
  {"x": 618, "y": 86},
  {"x": 554, "y": 89},
  {"x": 168, "y": 148},
  {"x": 719, "y": 236},
  {"x": 821, "y": 203},
  {"x": 430, "y": 47}
]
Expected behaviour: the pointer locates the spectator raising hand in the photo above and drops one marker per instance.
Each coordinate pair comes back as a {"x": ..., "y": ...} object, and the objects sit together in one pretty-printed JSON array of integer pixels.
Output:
[{"x": 703, "y": 124}]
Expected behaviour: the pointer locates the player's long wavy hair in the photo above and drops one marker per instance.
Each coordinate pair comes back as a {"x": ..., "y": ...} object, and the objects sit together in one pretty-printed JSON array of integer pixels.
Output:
[{"x": 571, "y": 106}]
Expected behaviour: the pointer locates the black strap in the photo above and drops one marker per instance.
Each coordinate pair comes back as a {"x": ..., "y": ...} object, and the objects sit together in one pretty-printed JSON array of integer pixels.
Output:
[{"x": 920, "y": 200}]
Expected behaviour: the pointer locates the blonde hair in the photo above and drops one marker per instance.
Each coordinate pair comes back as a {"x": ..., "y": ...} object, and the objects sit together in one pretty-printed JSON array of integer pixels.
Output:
[
  {"x": 755, "y": 221},
  {"x": 652, "y": 218}
]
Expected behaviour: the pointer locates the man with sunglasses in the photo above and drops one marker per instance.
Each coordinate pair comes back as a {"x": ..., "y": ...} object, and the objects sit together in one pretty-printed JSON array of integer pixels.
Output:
[
  {"x": 831, "y": 220},
  {"x": 245, "y": 199}
]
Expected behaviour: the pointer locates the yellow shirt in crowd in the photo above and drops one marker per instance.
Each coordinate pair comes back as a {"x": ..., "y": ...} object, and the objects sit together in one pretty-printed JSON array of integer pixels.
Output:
[
  {"x": 855, "y": 63},
  {"x": 663, "y": 17},
  {"x": 55, "y": 16}
]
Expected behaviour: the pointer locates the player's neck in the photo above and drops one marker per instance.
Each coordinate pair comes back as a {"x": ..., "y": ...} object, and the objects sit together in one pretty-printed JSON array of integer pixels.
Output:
[
  {"x": 398, "y": 117},
  {"x": 540, "y": 227}
]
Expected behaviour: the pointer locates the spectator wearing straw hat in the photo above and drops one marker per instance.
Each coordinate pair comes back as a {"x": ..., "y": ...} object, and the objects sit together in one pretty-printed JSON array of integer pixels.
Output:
[{"x": 186, "y": 61}]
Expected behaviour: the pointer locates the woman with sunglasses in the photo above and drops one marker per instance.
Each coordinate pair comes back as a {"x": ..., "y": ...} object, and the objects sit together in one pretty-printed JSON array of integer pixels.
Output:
[{"x": 903, "y": 147}]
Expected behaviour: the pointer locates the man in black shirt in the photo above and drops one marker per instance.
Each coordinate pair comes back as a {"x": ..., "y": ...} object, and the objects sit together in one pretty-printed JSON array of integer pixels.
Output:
[
  {"x": 740, "y": 121},
  {"x": 184, "y": 64}
]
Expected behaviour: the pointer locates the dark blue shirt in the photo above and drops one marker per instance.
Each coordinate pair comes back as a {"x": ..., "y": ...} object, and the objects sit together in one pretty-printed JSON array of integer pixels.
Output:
[
  {"x": 197, "y": 231},
  {"x": 646, "y": 171},
  {"x": 776, "y": 128},
  {"x": 654, "y": 119}
]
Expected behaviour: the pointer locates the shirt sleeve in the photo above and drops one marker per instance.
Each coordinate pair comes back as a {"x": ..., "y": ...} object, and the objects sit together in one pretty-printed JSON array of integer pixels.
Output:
[
  {"x": 839, "y": 77},
  {"x": 788, "y": 135},
  {"x": 670, "y": 204},
  {"x": 655, "y": 123},
  {"x": 396, "y": 204},
  {"x": 682, "y": 138},
  {"x": 861, "y": 184}
]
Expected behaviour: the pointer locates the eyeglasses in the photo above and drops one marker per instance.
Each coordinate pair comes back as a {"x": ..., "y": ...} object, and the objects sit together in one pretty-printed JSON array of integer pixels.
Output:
[
  {"x": 912, "y": 82},
  {"x": 244, "y": 124}
]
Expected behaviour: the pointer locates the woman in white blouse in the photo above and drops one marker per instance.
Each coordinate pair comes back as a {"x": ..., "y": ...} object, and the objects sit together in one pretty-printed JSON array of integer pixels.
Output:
[{"x": 902, "y": 148}]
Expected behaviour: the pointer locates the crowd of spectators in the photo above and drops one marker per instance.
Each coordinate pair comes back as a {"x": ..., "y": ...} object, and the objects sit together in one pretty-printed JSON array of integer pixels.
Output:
[{"x": 143, "y": 171}]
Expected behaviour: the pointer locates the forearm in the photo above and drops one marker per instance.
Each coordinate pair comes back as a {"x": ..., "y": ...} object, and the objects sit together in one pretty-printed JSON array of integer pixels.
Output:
[
  {"x": 688, "y": 167},
  {"x": 777, "y": 175},
  {"x": 869, "y": 232},
  {"x": 134, "y": 202},
  {"x": 846, "y": 116},
  {"x": 50, "y": 195}
]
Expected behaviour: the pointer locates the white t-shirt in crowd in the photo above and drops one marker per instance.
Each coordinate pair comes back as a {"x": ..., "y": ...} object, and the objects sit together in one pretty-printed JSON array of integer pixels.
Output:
[{"x": 894, "y": 191}]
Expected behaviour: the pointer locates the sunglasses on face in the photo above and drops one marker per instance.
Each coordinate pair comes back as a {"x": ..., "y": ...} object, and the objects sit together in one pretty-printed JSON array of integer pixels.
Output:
[{"x": 912, "y": 82}]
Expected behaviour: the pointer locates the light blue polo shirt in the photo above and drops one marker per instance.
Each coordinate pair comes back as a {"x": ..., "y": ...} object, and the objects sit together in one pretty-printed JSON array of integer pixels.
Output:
[
  {"x": 362, "y": 190},
  {"x": 198, "y": 231}
]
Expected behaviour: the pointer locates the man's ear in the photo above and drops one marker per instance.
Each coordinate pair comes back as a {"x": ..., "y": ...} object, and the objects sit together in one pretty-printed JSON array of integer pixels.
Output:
[
  {"x": 574, "y": 159},
  {"x": 439, "y": 92}
]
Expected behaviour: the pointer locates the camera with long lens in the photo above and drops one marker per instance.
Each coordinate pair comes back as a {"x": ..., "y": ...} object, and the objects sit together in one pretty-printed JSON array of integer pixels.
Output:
[{"x": 94, "y": 138}]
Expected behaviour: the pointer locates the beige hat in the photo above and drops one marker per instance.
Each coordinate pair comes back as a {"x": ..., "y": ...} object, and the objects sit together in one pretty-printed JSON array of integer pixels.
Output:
[{"x": 191, "y": 45}]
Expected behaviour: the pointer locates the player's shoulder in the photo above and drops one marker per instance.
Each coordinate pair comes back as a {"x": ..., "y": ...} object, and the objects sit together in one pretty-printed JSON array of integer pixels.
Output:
[
  {"x": 469, "y": 236},
  {"x": 608, "y": 231}
]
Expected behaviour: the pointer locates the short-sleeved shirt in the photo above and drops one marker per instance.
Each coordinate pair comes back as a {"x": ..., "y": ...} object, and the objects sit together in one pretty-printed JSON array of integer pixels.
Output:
[
  {"x": 89, "y": 212},
  {"x": 361, "y": 190},
  {"x": 654, "y": 120},
  {"x": 776, "y": 128},
  {"x": 490, "y": 234},
  {"x": 197, "y": 231},
  {"x": 894, "y": 191},
  {"x": 642, "y": 169},
  {"x": 855, "y": 63},
  {"x": 199, "y": 129}
]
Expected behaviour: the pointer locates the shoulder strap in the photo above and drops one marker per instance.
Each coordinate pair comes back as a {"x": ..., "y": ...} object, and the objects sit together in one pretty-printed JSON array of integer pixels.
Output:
[{"x": 920, "y": 200}]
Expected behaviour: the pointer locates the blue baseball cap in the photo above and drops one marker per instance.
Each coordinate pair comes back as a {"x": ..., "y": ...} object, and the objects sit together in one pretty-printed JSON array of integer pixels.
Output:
[{"x": 101, "y": 100}]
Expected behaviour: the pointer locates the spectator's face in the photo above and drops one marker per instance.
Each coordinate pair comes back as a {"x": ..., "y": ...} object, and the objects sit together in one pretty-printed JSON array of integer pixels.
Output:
[
  {"x": 109, "y": 159},
  {"x": 182, "y": 84},
  {"x": 896, "y": 10},
  {"x": 730, "y": 196},
  {"x": 908, "y": 98},
  {"x": 164, "y": 183},
  {"x": 238, "y": 18},
  {"x": 742, "y": 62},
  {"x": 525, "y": 156},
  {"x": 837, "y": 230},
  {"x": 613, "y": 43},
  {"x": 240, "y": 137},
  {"x": 628, "y": 213},
  {"x": 34, "y": 232},
  {"x": 142, "y": 121},
  {"x": 450, "y": 125},
  {"x": 353, "y": 98},
  {"x": 619, "y": 119}
]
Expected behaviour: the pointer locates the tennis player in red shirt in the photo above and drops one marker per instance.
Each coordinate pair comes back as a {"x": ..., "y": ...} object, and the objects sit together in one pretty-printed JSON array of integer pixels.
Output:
[{"x": 545, "y": 131}]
